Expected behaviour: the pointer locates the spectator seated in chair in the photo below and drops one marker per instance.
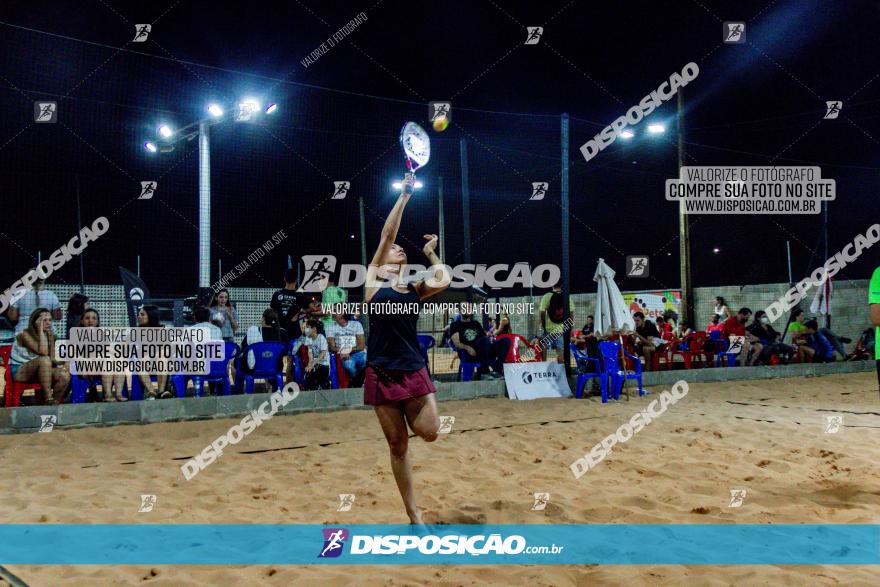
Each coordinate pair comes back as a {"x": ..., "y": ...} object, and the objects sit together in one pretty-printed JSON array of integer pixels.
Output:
[
  {"x": 318, "y": 369},
  {"x": 346, "y": 338},
  {"x": 760, "y": 329},
  {"x": 33, "y": 357},
  {"x": 736, "y": 326},
  {"x": 469, "y": 339},
  {"x": 647, "y": 338},
  {"x": 111, "y": 385},
  {"x": 823, "y": 351},
  {"x": 268, "y": 330}
]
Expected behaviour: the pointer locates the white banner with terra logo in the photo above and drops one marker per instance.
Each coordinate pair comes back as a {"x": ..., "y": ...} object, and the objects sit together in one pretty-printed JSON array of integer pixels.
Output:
[{"x": 536, "y": 380}]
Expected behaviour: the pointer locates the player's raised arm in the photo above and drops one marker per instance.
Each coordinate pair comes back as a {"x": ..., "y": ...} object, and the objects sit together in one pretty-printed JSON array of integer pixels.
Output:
[{"x": 388, "y": 236}]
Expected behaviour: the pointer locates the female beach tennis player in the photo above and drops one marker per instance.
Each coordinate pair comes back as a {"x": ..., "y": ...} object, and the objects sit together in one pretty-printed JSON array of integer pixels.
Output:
[{"x": 397, "y": 383}]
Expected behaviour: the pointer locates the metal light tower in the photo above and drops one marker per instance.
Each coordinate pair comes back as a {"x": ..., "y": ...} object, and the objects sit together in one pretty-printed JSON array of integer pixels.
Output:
[{"x": 245, "y": 111}]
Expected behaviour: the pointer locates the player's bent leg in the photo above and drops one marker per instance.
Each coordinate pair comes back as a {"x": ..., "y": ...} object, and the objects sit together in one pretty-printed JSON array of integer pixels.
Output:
[{"x": 421, "y": 412}]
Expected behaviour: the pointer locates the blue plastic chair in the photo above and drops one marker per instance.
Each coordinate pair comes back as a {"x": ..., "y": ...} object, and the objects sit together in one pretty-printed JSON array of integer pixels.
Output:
[
  {"x": 79, "y": 386},
  {"x": 426, "y": 342},
  {"x": 137, "y": 390},
  {"x": 219, "y": 373},
  {"x": 267, "y": 355},
  {"x": 609, "y": 351},
  {"x": 334, "y": 372},
  {"x": 466, "y": 368},
  {"x": 583, "y": 360}
]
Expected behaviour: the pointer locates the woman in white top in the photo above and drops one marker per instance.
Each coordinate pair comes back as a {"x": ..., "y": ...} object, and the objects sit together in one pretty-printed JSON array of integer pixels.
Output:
[
  {"x": 33, "y": 357},
  {"x": 721, "y": 309}
]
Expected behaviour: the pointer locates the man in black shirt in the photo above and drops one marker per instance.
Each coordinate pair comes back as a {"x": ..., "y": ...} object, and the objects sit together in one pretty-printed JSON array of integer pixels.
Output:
[
  {"x": 471, "y": 341},
  {"x": 645, "y": 334},
  {"x": 288, "y": 304}
]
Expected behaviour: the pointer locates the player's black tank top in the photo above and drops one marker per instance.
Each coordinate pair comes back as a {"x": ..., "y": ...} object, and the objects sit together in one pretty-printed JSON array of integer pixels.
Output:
[{"x": 393, "y": 342}]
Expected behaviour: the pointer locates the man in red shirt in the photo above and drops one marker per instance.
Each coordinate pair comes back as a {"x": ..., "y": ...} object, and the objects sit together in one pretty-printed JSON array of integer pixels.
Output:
[{"x": 736, "y": 326}]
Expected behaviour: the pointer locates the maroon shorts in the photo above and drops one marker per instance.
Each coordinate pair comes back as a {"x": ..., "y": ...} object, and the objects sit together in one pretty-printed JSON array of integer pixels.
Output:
[{"x": 389, "y": 386}]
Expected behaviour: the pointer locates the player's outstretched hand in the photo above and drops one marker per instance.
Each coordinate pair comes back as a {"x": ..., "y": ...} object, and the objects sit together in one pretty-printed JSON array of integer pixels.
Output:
[{"x": 430, "y": 245}]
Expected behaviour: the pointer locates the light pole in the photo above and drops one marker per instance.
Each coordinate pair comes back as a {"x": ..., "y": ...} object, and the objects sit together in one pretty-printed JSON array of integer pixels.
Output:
[
  {"x": 248, "y": 110},
  {"x": 684, "y": 238}
]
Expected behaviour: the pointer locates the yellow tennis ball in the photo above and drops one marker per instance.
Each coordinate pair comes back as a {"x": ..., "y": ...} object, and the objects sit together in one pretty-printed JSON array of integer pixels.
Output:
[{"x": 440, "y": 123}]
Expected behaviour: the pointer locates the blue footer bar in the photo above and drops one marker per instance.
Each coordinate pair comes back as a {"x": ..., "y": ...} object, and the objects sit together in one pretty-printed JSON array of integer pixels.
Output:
[{"x": 612, "y": 544}]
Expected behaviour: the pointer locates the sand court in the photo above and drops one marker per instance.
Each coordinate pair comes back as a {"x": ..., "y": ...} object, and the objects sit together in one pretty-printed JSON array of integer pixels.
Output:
[{"x": 766, "y": 438}]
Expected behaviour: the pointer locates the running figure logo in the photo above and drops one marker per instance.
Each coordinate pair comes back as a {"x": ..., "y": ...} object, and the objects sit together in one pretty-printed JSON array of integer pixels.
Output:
[
  {"x": 47, "y": 423},
  {"x": 637, "y": 266},
  {"x": 45, "y": 112},
  {"x": 340, "y": 189},
  {"x": 446, "y": 423},
  {"x": 833, "y": 108},
  {"x": 346, "y": 500},
  {"x": 736, "y": 344},
  {"x": 541, "y": 500},
  {"x": 734, "y": 32},
  {"x": 148, "y": 188},
  {"x": 318, "y": 269},
  {"x": 833, "y": 424},
  {"x": 438, "y": 109},
  {"x": 539, "y": 190},
  {"x": 736, "y": 498},
  {"x": 147, "y": 503},
  {"x": 141, "y": 32},
  {"x": 533, "y": 34},
  {"x": 334, "y": 541}
]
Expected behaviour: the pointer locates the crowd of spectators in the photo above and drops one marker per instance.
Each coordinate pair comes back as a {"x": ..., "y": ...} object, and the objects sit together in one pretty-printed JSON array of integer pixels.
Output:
[{"x": 296, "y": 320}]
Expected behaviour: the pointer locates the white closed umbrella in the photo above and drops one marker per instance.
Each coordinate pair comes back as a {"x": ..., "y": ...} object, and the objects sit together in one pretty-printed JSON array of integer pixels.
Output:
[{"x": 612, "y": 316}]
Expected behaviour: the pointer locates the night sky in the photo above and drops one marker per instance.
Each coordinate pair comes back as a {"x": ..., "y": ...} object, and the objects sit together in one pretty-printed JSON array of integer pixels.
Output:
[{"x": 757, "y": 103}]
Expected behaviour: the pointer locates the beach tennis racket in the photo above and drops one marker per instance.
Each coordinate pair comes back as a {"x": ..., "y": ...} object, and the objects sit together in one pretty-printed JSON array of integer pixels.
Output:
[{"x": 416, "y": 146}]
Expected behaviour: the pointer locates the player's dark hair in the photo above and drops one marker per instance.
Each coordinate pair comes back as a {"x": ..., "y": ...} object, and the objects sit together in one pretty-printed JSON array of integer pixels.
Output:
[
  {"x": 745, "y": 310},
  {"x": 639, "y": 315},
  {"x": 812, "y": 324},
  {"x": 290, "y": 276},
  {"x": 270, "y": 317}
]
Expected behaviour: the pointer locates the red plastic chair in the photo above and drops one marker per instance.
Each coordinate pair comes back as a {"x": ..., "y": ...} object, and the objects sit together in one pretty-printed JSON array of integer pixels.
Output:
[
  {"x": 14, "y": 389},
  {"x": 513, "y": 353},
  {"x": 695, "y": 350},
  {"x": 667, "y": 352}
]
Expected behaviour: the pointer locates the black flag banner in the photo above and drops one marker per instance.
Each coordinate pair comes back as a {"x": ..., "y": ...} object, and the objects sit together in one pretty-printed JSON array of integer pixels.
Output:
[{"x": 135, "y": 291}]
